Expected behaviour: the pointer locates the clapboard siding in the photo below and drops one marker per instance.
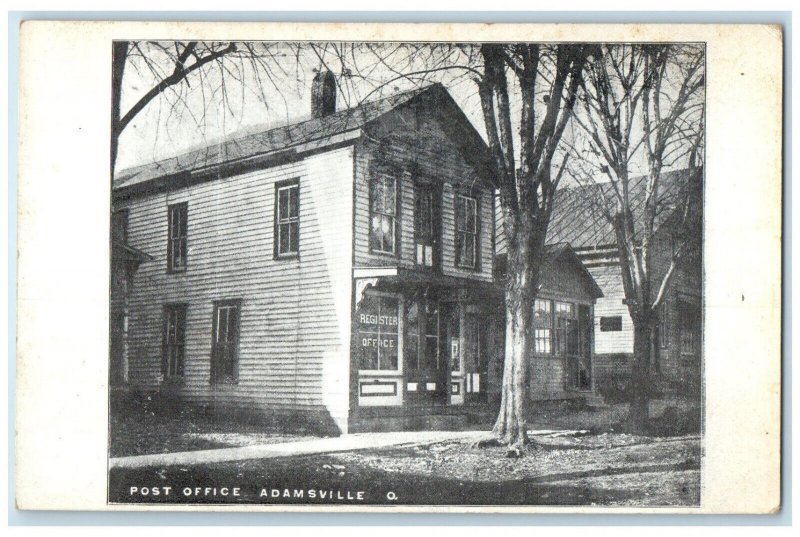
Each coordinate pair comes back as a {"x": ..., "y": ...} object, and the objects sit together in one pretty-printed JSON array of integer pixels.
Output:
[
  {"x": 416, "y": 146},
  {"x": 295, "y": 314},
  {"x": 609, "y": 278}
]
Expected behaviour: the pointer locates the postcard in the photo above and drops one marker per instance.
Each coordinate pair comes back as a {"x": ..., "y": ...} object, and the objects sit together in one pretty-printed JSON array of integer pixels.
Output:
[{"x": 377, "y": 267}]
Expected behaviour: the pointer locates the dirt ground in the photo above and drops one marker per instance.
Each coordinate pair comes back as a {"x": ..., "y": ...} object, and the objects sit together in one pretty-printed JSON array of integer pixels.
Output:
[
  {"x": 588, "y": 469},
  {"x": 141, "y": 431}
]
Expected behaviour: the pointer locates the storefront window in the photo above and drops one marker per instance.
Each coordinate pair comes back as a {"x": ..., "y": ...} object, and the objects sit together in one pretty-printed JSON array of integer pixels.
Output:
[{"x": 378, "y": 328}]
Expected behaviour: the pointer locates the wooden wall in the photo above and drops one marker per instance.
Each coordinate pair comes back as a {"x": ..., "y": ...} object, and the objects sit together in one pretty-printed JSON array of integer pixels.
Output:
[
  {"x": 295, "y": 317},
  {"x": 414, "y": 144}
]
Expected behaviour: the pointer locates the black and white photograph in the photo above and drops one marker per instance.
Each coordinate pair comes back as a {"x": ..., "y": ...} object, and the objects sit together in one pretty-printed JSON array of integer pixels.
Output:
[{"x": 407, "y": 273}]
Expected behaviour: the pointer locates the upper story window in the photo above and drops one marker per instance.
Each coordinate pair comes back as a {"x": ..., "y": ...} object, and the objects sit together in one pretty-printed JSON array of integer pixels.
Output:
[
  {"x": 466, "y": 231},
  {"x": 426, "y": 225},
  {"x": 383, "y": 214},
  {"x": 287, "y": 218},
  {"x": 176, "y": 242}
]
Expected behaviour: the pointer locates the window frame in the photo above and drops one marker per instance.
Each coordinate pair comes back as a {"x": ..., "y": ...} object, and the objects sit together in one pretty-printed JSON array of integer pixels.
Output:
[
  {"x": 183, "y": 207},
  {"x": 215, "y": 366},
  {"x": 400, "y": 335},
  {"x": 435, "y": 192},
  {"x": 181, "y": 313},
  {"x": 291, "y": 221},
  {"x": 381, "y": 175},
  {"x": 475, "y": 266},
  {"x": 550, "y": 328}
]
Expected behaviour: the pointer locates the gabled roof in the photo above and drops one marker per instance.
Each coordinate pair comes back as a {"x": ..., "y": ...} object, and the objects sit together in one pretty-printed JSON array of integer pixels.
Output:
[
  {"x": 322, "y": 130},
  {"x": 555, "y": 255},
  {"x": 562, "y": 252},
  {"x": 578, "y": 219}
]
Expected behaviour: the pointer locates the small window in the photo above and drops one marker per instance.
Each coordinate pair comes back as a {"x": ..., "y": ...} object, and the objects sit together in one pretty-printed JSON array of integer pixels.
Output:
[
  {"x": 611, "y": 324},
  {"x": 225, "y": 342},
  {"x": 378, "y": 333},
  {"x": 174, "y": 340},
  {"x": 542, "y": 326},
  {"x": 287, "y": 219},
  {"x": 176, "y": 243},
  {"x": 466, "y": 231},
  {"x": 383, "y": 214}
]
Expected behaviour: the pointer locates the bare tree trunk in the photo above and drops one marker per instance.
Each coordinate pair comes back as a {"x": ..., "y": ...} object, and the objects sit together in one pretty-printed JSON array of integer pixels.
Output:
[
  {"x": 119, "y": 54},
  {"x": 643, "y": 332},
  {"x": 521, "y": 286}
]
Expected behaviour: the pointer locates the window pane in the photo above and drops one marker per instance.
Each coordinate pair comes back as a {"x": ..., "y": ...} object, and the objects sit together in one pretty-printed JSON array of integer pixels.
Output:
[
  {"x": 542, "y": 340},
  {"x": 542, "y": 317},
  {"x": 293, "y": 201},
  {"x": 469, "y": 250},
  {"x": 294, "y": 234},
  {"x": 376, "y": 193},
  {"x": 412, "y": 317},
  {"x": 284, "y": 245},
  {"x": 389, "y": 191},
  {"x": 367, "y": 315},
  {"x": 387, "y": 229},
  {"x": 376, "y": 233},
  {"x": 471, "y": 215},
  {"x": 431, "y": 356},
  {"x": 431, "y": 319},
  {"x": 283, "y": 204}
]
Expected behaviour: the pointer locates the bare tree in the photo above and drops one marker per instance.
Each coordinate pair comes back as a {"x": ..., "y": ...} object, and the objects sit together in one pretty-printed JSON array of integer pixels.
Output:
[
  {"x": 527, "y": 183},
  {"x": 643, "y": 106},
  {"x": 169, "y": 69}
]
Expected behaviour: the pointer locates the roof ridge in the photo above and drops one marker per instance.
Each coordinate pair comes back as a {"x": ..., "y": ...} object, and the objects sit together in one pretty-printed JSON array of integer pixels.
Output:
[{"x": 220, "y": 146}]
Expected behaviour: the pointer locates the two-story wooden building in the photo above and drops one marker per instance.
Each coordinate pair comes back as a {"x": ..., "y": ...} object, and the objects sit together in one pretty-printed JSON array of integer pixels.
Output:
[{"x": 337, "y": 273}]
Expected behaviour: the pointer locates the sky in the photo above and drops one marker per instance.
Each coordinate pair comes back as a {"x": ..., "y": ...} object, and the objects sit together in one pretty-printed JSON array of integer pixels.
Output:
[
  {"x": 266, "y": 85},
  {"x": 262, "y": 97}
]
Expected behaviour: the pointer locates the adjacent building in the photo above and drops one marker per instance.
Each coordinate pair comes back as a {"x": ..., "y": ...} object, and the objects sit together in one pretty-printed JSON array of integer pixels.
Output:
[{"x": 676, "y": 360}]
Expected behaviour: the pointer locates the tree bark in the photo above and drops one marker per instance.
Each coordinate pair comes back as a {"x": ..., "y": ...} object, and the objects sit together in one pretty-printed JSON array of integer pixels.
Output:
[
  {"x": 521, "y": 286},
  {"x": 643, "y": 336},
  {"x": 119, "y": 54}
]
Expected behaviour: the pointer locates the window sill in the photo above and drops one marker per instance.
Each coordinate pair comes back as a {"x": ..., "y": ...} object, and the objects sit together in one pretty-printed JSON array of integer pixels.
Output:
[
  {"x": 287, "y": 257},
  {"x": 392, "y": 255},
  {"x": 380, "y": 372}
]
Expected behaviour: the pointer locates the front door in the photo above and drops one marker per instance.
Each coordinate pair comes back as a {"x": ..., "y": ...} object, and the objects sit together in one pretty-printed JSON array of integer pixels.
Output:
[
  {"x": 426, "y": 362},
  {"x": 574, "y": 343}
]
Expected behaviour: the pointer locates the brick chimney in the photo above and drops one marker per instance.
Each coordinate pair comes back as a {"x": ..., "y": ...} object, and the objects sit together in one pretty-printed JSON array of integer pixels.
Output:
[{"x": 323, "y": 94}]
